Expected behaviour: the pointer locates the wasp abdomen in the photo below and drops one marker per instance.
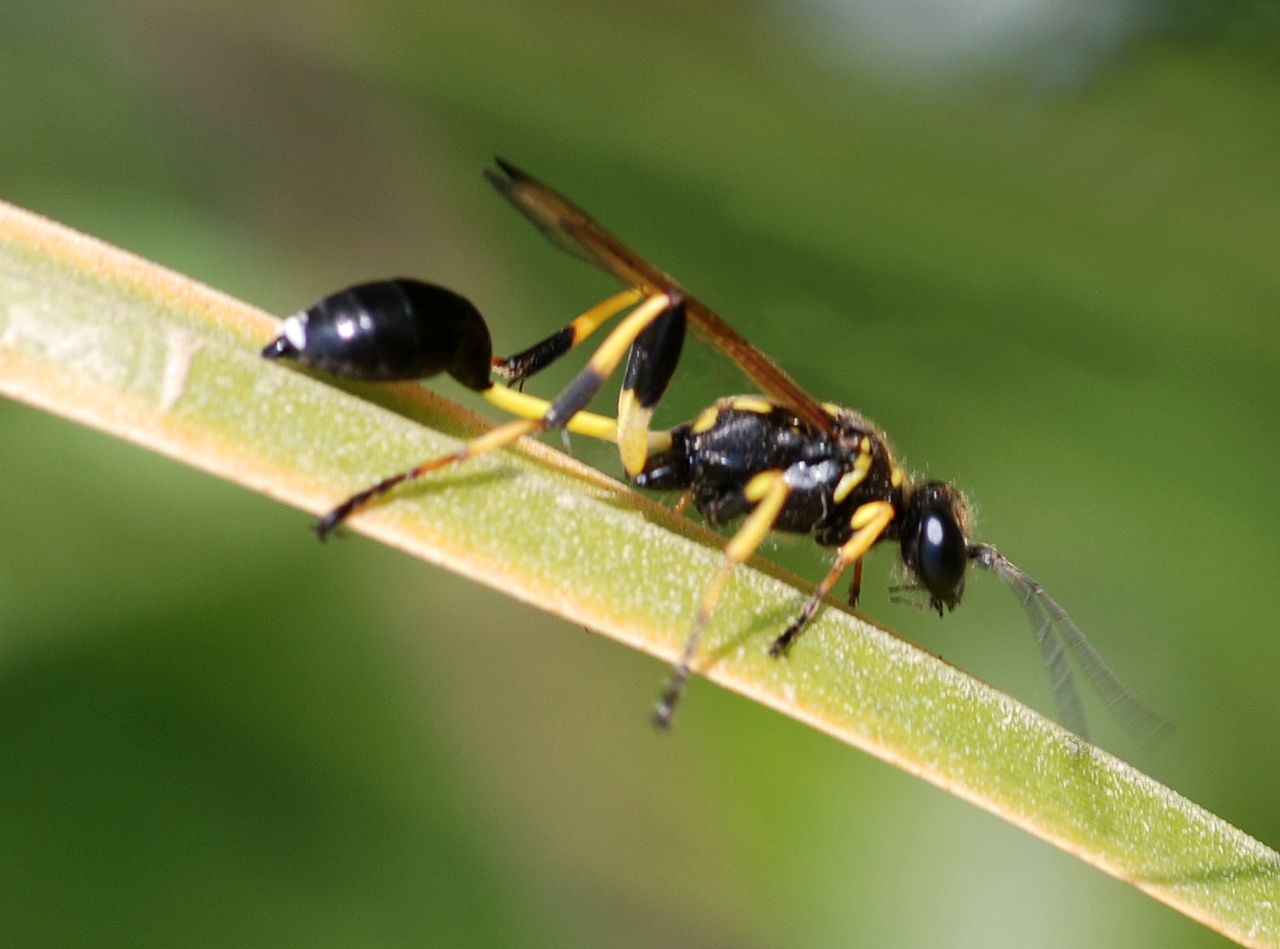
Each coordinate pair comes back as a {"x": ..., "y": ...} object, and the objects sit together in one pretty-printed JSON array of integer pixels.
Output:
[{"x": 390, "y": 329}]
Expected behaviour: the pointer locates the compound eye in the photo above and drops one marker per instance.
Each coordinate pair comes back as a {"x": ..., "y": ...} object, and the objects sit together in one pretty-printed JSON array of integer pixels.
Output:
[{"x": 942, "y": 555}]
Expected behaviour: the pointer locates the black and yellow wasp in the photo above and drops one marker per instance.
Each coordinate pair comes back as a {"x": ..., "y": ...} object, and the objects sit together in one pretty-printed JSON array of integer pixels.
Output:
[{"x": 779, "y": 461}]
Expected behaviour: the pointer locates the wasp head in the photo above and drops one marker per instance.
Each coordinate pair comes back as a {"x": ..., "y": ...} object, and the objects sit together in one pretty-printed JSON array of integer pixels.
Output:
[{"x": 935, "y": 541}]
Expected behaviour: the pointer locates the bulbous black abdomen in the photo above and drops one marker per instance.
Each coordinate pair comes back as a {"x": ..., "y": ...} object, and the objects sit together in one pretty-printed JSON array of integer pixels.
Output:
[{"x": 390, "y": 329}]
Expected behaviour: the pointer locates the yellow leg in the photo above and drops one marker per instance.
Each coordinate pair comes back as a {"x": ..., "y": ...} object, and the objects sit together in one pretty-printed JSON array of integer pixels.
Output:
[
  {"x": 567, "y": 409},
  {"x": 543, "y": 415},
  {"x": 649, "y": 370},
  {"x": 768, "y": 491},
  {"x": 604, "y": 361},
  {"x": 586, "y": 324},
  {"x": 540, "y": 355},
  {"x": 633, "y": 433},
  {"x": 523, "y": 405},
  {"x": 527, "y": 406},
  {"x": 868, "y": 522}
]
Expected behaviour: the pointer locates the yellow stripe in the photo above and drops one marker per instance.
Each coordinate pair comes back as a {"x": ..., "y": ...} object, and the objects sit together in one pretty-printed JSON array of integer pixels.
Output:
[
  {"x": 527, "y": 406},
  {"x": 869, "y": 522},
  {"x": 770, "y": 490},
  {"x": 869, "y": 512},
  {"x": 590, "y": 321},
  {"x": 659, "y": 441},
  {"x": 751, "y": 403},
  {"x": 605, "y": 359},
  {"x": 633, "y": 433},
  {"x": 852, "y": 478},
  {"x": 760, "y": 485},
  {"x": 705, "y": 421},
  {"x": 499, "y": 437}
]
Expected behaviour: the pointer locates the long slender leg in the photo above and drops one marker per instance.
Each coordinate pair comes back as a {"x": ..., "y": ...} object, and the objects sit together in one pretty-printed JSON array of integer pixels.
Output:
[
  {"x": 489, "y": 441},
  {"x": 855, "y": 583},
  {"x": 601, "y": 427},
  {"x": 541, "y": 354},
  {"x": 768, "y": 491},
  {"x": 557, "y": 414},
  {"x": 868, "y": 522},
  {"x": 523, "y": 405},
  {"x": 605, "y": 360}
]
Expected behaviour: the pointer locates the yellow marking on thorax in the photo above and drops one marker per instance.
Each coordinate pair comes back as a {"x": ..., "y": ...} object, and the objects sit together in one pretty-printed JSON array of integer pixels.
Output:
[
  {"x": 852, "y": 478},
  {"x": 751, "y": 403},
  {"x": 705, "y": 421}
]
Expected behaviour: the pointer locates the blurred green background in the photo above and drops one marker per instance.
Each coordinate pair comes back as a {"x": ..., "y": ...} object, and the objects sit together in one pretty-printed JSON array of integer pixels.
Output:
[{"x": 1037, "y": 242}]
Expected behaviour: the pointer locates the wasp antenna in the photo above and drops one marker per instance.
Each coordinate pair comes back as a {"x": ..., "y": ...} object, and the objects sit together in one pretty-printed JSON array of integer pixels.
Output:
[
  {"x": 1062, "y": 681},
  {"x": 1054, "y": 630}
]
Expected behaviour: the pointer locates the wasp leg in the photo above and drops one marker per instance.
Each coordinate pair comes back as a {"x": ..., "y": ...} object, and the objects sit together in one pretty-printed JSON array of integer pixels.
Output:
[
  {"x": 768, "y": 491},
  {"x": 557, "y": 414},
  {"x": 497, "y": 438},
  {"x": 855, "y": 583},
  {"x": 600, "y": 427},
  {"x": 537, "y": 357},
  {"x": 605, "y": 360},
  {"x": 868, "y": 522},
  {"x": 523, "y": 405},
  {"x": 650, "y": 366}
]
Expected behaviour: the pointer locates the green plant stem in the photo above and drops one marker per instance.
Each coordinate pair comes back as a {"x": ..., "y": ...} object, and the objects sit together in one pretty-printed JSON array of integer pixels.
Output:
[{"x": 93, "y": 334}]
